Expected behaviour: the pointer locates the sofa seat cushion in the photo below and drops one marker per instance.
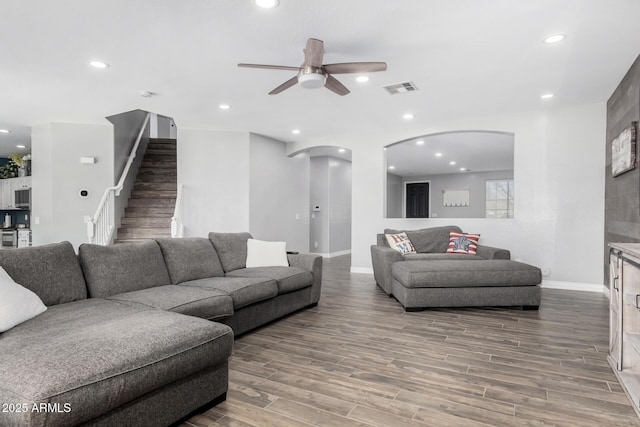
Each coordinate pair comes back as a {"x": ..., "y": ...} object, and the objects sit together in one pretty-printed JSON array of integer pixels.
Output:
[
  {"x": 242, "y": 290},
  {"x": 96, "y": 355},
  {"x": 208, "y": 304},
  {"x": 444, "y": 256},
  {"x": 465, "y": 273},
  {"x": 288, "y": 279}
]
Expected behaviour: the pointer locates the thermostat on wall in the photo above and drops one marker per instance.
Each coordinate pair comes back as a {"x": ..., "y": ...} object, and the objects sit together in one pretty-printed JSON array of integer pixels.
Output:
[
  {"x": 87, "y": 160},
  {"x": 316, "y": 208},
  {"x": 83, "y": 193}
]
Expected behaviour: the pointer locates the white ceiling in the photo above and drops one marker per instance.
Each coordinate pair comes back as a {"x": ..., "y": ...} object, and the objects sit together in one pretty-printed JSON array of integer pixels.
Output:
[
  {"x": 474, "y": 151},
  {"x": 467, "y": 57}
]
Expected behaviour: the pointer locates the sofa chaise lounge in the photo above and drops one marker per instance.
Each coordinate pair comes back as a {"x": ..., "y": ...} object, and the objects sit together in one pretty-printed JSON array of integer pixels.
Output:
[
  {"x": 137, "y": 334},
  {"x": 431, "y": 277}
]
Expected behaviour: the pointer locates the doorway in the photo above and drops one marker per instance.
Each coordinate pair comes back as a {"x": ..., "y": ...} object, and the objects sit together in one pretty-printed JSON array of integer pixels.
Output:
[{"x": 417, "y": 196}]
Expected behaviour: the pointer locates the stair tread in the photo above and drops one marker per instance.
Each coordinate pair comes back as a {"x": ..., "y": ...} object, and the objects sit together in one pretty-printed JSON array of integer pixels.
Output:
[{"x": 163, "y": 140}]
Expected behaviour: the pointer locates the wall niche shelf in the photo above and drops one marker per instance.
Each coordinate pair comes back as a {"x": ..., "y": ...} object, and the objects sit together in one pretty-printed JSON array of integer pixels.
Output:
[{"x": 624, "y": 317}]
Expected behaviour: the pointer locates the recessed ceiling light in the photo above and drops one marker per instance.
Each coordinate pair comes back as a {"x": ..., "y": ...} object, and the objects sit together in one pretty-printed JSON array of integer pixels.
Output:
[
  {"x": 20, "y": 146},
  {"x": 438, "y": 154},
  {"x": 420, "y": 142},
  {"x": 408, "y": 116},
  {"x": 98, "y": 64},
  {"x": 362, "y": 79},
  {"x": 147, "y": 94},
  {"x": 452, "y": 163},
  {"x": 392, "y": 167},
  {"x": 266, "y": 4},
  {"x": 464, "y": 170},
  {"x": 554, "y": 38},
  {"x": 342, "y": 150},
  {"x": 296, "y": 131},
  {"x": 224, "y": 106},
  {"x": 547, "y": 96},
  {"x": 5, "y": 131}
]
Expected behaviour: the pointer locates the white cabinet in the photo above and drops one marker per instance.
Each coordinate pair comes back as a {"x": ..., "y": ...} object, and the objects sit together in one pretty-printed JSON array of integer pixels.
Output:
[
  {"x": 624, "y": 324},
  {"x": 8, "y": 189}
]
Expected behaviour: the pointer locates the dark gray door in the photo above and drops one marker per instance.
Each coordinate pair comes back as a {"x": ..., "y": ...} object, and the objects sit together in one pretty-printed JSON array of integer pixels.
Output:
[{"x": 418, "y": 200}]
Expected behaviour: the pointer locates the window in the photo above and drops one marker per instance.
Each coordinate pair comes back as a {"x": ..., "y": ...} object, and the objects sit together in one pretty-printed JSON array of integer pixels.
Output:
[{"x": 499, "y": 198}]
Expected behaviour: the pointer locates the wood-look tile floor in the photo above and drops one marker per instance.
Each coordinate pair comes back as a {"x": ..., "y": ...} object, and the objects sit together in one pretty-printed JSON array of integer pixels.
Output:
[{"x": 358, "y": 359}]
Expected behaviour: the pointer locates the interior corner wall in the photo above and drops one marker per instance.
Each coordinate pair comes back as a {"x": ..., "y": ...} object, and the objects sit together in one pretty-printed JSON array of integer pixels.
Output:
[
  {"x": 622, "y": 200},
  {"x": 278, "y": 193},
  {"x": 58, "y": 211},
  {"x": 339, "y": 205},
  {"x": 214, "y": 168},
  {"x": 319, "y": 198},
  {"x": 395, "y": 196},
  {"x": 330, "y": 227}
]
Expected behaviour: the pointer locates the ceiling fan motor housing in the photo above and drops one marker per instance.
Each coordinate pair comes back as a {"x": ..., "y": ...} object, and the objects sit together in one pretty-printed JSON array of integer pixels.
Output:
[{"x": 312, "y": 77}]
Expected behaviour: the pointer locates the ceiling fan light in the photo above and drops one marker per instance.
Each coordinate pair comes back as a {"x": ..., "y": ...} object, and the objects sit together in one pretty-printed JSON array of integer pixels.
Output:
[
  {"x": 266, "y": 4},
  {"x": 312, "y": 80}
]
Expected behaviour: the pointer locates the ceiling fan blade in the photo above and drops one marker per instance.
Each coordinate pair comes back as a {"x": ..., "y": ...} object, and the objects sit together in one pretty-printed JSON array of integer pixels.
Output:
[
  {"x": 270, "y": 67},
  {"x": 355, "y": 67},
  {"x": 284, "y": 86},
  {"x": 313, "y": 53},
  {"x": 335, "y": 86}
]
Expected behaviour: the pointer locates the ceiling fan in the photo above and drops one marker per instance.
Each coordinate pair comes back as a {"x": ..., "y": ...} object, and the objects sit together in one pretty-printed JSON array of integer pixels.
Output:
[{"x": 314, "y": 74}]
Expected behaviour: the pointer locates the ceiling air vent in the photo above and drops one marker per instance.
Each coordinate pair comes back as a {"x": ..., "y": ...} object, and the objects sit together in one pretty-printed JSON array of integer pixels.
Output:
[{"x": 400, "y": 88}]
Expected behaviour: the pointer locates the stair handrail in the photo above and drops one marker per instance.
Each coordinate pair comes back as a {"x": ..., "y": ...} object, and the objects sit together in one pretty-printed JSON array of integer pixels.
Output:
[
  {"x": 101, "y": 226},
  {"x": 177, "y": 228}
]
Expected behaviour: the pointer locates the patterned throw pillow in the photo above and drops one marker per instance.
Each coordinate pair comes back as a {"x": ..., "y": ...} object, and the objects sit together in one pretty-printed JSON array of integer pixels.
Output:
[
  {"x": 401, "y": 243},
  {"x": 461, "y": 243}
]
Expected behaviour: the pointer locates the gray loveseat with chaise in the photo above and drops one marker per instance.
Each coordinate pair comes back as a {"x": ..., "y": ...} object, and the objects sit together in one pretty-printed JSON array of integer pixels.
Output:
[
  {"x": 137, "y": 334},
  {"x": 431, "y": 277}
]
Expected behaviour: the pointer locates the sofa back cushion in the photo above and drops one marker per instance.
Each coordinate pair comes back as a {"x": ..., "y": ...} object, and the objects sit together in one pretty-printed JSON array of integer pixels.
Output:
[
  {"x": 231, "y": 248},
  {"x": 428, "y": 240},
  {"x": 190, "y": 258},
  {"x": 124, "y": 267},
  {"x": 50, "y": 271}
]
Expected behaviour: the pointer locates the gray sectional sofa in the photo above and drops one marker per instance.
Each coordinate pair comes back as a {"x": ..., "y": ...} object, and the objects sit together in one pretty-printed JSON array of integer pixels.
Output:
[
  {"x": 434, "y": 278},
  {"x": 137, "y": 334}
]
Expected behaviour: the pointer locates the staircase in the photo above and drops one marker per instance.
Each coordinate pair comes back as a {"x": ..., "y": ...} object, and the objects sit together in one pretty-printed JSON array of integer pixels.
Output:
[{"x": 153, "y": 198}]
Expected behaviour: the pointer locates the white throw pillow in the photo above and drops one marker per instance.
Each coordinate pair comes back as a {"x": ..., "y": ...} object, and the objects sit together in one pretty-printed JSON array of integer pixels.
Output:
[
  {"x": 17, "y": 303},
  {"x": 266, "y": 254}
]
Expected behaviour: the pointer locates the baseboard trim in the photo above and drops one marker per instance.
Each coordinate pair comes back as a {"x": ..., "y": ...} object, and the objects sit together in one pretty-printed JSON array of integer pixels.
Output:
[
  {"x": 363, "y": 270},
  {"x": 573, "y": 286},
  {"x": 333, "y": 254}
]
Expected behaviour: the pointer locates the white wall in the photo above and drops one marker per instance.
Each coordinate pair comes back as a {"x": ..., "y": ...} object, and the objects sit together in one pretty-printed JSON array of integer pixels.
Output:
[
  {"x": 394, "y": 197},
  {"x": 331, "y": 190},
  {"x": 278, "y": 193},
  {"x": 319, "y": 196},
  {"x": 559, "y": 198},
  {"x": 339, "y": 205},
  {"x": 58, "y": 176},
  {"x": 214, "y": 168}
]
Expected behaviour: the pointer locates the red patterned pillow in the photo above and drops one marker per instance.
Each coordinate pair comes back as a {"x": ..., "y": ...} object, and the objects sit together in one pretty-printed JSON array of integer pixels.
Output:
[
  {"x": 401, "y": 243},
  {"x": 462, "y": 243}
]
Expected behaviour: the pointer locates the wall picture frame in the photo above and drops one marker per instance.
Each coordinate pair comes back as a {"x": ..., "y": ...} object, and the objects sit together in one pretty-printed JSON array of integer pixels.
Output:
[
  {"x": 455, "y": 198},
  {"x": 623, "y": 150}
]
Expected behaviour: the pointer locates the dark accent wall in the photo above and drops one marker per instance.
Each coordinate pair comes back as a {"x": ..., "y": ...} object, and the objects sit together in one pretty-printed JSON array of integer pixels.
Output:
[{"x": 622, "y": 193}]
